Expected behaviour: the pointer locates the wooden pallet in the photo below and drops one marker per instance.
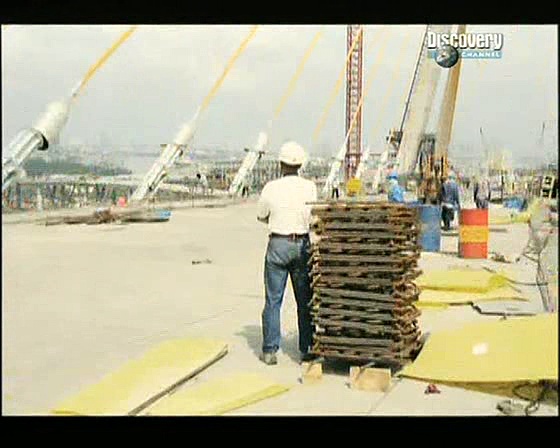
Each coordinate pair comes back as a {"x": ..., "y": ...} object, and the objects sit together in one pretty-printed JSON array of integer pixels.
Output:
[{"x": 362, "y": 271}]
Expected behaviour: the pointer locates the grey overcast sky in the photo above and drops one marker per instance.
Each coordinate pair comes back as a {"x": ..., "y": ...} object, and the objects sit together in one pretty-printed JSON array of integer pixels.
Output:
[{"x": 156, "y": 80}]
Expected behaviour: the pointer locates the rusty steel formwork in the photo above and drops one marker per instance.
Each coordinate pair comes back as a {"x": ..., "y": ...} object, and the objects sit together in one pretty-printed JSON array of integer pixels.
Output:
[{"x": 363, "y": 268}]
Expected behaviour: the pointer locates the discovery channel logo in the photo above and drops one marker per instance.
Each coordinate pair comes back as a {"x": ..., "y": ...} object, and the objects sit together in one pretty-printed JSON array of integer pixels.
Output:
[{"x": 447, "y": 48}]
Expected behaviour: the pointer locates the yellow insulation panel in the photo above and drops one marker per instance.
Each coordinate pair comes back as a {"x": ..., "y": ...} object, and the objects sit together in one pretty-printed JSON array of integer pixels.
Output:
[
  {"x": 218, "y": 396},
  {"x": 464, "y": 280},
  {"x": 141, "y": 379},
  {"x": 435, "y": 297},
  {"x": 500, "y": 351}
]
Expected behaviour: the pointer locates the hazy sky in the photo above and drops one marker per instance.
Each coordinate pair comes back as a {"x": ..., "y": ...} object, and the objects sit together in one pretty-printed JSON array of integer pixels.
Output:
[{"x": 156, "y": 80}]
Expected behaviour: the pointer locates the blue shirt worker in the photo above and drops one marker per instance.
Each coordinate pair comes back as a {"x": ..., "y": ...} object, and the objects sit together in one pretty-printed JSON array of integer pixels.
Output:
[
  {"x": 449, "y": 200},
  {"x": 396, "y": 192},
  {"x": 284, "y": 207}
]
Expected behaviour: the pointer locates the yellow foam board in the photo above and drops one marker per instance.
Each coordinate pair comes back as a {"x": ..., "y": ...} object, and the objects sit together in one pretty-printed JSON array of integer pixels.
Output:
[
  {"x": 218, "y": 396},
  {"x": 431, "y": 306},
  {"x": 527, "y": 390},
  {"x": 518, "y": 349},
  {"x": 143, "y": 379},
  {"x": 466, "y": 280},
  {"x": 435, "y": 297}
]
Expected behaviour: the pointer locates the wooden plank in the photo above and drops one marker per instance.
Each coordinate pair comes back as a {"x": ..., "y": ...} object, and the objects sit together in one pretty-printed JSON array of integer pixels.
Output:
[
  {"x": 366, "y": 295},
  {"x": 400, "y": 307},
  {"x": 340, "y": 234},
  {"x": 371, "y": 282},
  {"x": 363, "y": 258},
  {"x": 355, "y": 341},
  {"x": 324, "y": 245},
  {"x": 365, "y": 226},
  {"x": 311, "y": 372},
  {"x": 367, "y": 314},
  {"x": 375, "y": 329},
  {"x": 370, "y": 379},
  {"x": 352, "y": 271}
]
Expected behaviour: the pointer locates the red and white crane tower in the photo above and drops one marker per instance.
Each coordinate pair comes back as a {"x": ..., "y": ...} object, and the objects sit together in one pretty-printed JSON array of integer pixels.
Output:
[{"x": 354, "y": 81}]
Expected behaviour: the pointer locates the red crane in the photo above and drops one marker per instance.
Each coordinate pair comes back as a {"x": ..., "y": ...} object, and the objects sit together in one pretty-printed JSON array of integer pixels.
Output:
[{"x": 354, "y": 81}]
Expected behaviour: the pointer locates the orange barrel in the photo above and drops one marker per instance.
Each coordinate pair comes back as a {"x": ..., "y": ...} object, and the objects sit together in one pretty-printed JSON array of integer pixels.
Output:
[{"x": 473, "y": 233}]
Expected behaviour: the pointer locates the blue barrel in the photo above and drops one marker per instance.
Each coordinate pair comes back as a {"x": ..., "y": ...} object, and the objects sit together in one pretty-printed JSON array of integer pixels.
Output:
[{"x": 430, "y": 227}]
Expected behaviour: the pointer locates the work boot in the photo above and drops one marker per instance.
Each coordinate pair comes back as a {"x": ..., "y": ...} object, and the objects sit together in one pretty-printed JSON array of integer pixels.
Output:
[{"x": 269, "y": 358}]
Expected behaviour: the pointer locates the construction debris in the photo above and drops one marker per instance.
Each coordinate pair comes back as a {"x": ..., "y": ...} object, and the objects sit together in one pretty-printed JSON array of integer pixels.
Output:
[
  {"x": 432, "y": 389},
  {"x": 370, "y": 379},
  {"x": 500, "y": 258},
  {"x": 110, "y": 215},
  {"x": 363, "y": 267}
]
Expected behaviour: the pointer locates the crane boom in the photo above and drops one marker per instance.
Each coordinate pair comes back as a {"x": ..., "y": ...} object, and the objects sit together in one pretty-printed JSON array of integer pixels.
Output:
[
  {"x": 363, "y": 160},
  {"x": 445, "y": 125},
  {"x": 46, "y": 131},
  {"x": 172, "y": 151},
  {"x": 248, "y": 164},
  {"x": 420, "y": 106}
]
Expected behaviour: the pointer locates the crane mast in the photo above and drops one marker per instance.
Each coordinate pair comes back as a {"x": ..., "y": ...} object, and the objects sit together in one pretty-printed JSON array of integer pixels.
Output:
[{"x": 354, "y": 81}]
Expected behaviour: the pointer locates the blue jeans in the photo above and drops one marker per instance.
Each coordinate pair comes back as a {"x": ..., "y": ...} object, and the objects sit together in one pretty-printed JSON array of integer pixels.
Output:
[{"x": 283, "y": 257}]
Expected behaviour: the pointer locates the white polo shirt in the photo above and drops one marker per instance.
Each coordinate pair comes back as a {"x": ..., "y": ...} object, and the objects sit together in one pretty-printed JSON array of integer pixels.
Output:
[{"x": 283, "y": 202}]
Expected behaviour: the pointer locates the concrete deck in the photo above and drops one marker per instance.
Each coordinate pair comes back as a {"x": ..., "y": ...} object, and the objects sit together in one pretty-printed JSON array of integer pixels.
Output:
[{"x": 79, "y": 301}]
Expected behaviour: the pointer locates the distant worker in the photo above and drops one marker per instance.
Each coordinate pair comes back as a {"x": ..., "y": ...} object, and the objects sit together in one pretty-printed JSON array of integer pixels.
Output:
[
  {"x": 283, "y": 206},
  {"x": 245, "y": 189},
  {"x": 202, "y": 182},
  {"x": 450, "y": 202},
  {"x": 335, "y": 188},
  {"x": 482, "y": 193},
  {"x": 395, "y": 193}
]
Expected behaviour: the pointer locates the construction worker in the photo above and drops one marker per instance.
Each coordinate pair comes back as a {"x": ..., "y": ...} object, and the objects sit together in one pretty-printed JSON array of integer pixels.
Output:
[
  {"x": 202, "y": 182},
  {"x": 245, "y": 189},
  {"x": 335, "y": 188},
  {"x": 482, "y": 193},
  {"x": 395, "y": 192},
  {"x": 283, "y": 207},
  {"x": 449, "y": 196}
]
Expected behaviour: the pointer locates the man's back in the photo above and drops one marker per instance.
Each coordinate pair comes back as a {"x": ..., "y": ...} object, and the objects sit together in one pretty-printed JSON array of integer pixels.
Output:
[
  {"x": 283, "y": 201},
  {"x": 450, "y": 192},
  {"x": 482, "y": 190}
]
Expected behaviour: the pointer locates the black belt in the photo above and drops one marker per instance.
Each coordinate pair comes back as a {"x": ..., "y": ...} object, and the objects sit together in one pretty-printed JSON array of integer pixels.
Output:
[{"x": 291, "y": 236}]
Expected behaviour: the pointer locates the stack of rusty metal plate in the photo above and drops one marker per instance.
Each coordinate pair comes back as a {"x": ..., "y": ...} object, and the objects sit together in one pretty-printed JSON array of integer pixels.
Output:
[{"x": 363, "y": 269}]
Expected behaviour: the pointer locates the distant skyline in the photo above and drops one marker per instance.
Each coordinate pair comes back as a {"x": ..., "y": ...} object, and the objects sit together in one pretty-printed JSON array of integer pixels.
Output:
[{"x": 156, "y": 80}]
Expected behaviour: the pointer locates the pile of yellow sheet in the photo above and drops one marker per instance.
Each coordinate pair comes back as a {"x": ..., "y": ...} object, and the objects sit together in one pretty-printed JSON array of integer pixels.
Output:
[
  {"x": 140, "y": 380},
  {"x": 461, "y": 286},
  {"x": 496, "y": 352},
  {"x": 461, "y": 280},
  {"x": 506, "y": 216},
  {"x": 433, "y": 298},
  {"x": 218, "y": 396}
]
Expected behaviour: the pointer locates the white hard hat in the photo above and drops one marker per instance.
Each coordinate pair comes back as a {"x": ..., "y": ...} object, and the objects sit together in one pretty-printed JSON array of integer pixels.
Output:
[{"x": 292, "y": 153}]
